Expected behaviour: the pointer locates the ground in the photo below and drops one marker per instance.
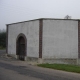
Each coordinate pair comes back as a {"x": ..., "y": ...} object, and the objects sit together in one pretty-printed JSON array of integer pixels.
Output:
[{"x": 12, "y": 69}]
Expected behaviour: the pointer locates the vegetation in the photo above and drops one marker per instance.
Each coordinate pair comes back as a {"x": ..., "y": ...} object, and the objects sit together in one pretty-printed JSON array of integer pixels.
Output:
[
  {"x": 65, "y": 67},
  {"x": 2, "y": 39}
]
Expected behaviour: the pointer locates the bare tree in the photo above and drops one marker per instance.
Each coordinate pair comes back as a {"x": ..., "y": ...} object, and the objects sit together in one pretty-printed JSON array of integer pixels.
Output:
[{"x": 67, "y": 17}]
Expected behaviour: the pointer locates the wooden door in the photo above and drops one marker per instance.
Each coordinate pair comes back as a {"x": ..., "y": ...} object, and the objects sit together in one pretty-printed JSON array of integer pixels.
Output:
[{"x": 21, "y": 48}]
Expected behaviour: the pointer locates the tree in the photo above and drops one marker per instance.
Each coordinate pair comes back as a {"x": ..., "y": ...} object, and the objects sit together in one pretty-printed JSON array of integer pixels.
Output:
[
  {"x": 2, "y": 39},
  {"x": 67, "y": 17}
]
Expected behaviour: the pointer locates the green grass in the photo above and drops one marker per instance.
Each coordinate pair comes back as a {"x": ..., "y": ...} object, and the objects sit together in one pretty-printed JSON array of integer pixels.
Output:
[{"x": 64, "y": 67}]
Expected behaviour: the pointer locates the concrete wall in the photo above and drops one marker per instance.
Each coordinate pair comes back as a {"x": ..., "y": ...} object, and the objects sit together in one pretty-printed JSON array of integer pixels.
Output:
[
  {"x": 31, "y": 31},
  {"x": 60, "y": 39}
]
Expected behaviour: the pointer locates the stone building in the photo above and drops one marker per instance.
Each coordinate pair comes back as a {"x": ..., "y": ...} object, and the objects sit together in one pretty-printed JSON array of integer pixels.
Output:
[{"x": 45, "y": 40}]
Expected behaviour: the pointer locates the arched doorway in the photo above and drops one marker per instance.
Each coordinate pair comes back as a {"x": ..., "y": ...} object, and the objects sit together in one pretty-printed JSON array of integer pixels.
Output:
[{"x": 21, "y": 46}]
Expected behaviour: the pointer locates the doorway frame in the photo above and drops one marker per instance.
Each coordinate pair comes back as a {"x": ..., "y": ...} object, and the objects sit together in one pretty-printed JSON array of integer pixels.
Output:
[{"x": 21, "y": 35}]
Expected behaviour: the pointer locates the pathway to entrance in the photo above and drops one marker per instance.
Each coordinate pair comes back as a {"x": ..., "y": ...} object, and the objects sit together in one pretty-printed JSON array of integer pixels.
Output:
[{"x": 11, "y": 69}]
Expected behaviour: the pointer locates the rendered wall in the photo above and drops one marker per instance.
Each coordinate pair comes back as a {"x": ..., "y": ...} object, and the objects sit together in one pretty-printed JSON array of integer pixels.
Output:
[
  {"x": 31, "y": 31},
  {"x": 60, "y": 39}
]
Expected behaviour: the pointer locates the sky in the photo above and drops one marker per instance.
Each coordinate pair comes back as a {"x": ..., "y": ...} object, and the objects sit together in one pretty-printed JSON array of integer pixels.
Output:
[{"x": 12, "y": 11}]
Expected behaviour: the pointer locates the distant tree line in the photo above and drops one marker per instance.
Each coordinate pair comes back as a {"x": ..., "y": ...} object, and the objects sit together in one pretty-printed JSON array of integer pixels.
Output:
[{"x": 2, "y": 39}]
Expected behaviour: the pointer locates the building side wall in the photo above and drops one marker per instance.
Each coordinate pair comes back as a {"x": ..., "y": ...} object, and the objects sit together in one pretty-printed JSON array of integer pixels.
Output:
[
  {"x": 60, "y": 39},
  {"x": 31, "y": 31}
]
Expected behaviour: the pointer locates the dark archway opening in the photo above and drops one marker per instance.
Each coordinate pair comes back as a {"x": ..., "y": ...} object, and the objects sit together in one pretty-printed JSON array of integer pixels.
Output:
[{"x": 21, "y": 47}]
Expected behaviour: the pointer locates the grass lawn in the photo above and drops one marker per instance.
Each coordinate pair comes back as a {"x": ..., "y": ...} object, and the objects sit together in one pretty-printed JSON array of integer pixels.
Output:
[{"x": 64, "y": 67}]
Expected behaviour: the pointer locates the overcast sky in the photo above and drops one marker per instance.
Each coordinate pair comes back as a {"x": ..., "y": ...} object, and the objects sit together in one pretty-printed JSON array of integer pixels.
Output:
[{"x": 12, "y": 11}]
